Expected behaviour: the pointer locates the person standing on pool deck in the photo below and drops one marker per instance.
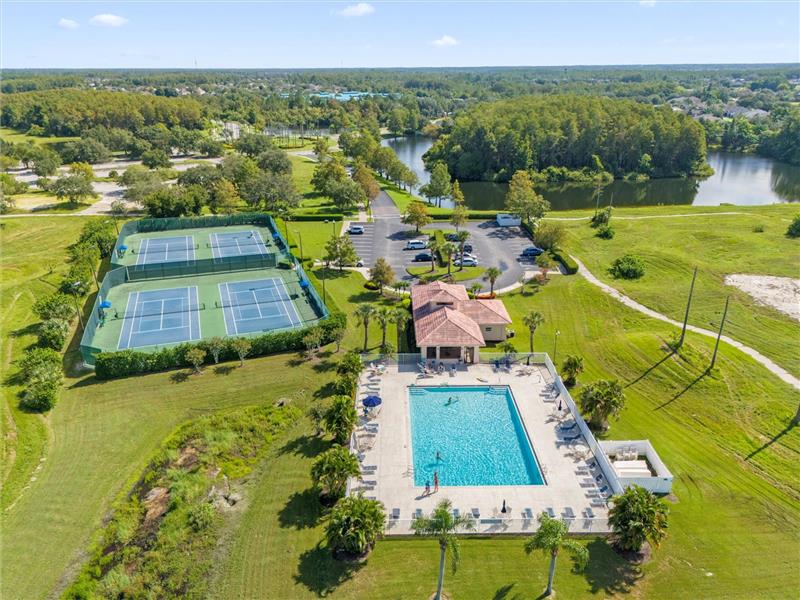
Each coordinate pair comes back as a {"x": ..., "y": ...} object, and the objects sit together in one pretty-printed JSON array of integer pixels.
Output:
[
  {"x": 435, "y": 481},
  {"x": 427, "y": 488}
]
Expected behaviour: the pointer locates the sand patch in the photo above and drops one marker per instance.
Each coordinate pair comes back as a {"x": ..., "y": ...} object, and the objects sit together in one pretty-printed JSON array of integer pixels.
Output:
[{"x": 780, "y": 293}]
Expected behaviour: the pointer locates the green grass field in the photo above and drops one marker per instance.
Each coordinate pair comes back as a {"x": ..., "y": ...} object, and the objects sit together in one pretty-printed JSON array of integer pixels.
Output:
[
  {"x": 462, "y": 275},
  {"x": 724, "y": 436},
  {"x": 18, "y": 137}
]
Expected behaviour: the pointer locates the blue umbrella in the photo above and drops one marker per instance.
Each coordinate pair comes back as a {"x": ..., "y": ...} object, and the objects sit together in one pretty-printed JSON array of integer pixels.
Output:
[
  {"x": 371, "y": 401},
  {"x": 303, "y": 284},
  {"x": 105, "y": 304},
  {"x": 123, "y": 247}
]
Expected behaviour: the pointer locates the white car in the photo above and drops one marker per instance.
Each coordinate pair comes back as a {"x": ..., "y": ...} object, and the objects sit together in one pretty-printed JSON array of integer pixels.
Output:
[
  {"x": 355, "y": 229},
  {"x": 468, "y": 256},
  {"x": 416, "y": 245},
  {"x": 467, "y": 261}
]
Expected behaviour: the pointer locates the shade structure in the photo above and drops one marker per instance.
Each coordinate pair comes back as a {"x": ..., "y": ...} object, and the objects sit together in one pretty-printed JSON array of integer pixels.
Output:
[{"x": 371, "y": 401}]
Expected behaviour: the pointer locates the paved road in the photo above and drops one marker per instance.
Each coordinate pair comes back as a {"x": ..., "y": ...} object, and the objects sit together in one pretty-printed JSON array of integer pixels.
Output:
[{"x": 386, "y": 237}]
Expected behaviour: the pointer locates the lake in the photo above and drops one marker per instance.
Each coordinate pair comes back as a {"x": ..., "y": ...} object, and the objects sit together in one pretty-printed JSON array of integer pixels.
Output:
[{"x": 740, "y": 179}]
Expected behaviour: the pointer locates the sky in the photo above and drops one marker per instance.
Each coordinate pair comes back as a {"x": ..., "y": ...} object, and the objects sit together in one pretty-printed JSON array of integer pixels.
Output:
[{"x": 264, "y": 34}]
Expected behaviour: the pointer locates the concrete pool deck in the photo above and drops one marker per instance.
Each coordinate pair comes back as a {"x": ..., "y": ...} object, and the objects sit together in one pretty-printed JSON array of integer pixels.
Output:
[{"x": 569, "y": 468}]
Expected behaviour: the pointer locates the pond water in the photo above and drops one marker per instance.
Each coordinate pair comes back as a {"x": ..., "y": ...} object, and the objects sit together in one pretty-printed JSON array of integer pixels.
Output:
[{"x": 739, "y": 179}]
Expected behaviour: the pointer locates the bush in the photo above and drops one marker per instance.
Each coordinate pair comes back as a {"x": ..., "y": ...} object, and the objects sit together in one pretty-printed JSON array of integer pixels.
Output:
[
  {"x": 39, "y": 360},
  {"x": 627, "y": 267},
  {"x": 758, "y": 228},
  {"x": 53, "y": 333},
  {"x": 41, "y": 370},
  {"x": 602, "y": 217},
  {"x": 371, "y": 285},
  {"x": 201, "y": 516},
  {"x": 570, "y": 266},
  {"x": 605, "y": 232},
  {"x": 794, "y": 228},
  {"x": 40, "y": 395},
  {"x": 549, "y": 235},
  {"x": 54, "y": 306}
]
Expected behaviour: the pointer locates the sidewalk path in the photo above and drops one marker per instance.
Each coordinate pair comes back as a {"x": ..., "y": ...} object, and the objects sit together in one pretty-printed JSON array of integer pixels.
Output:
[{"x": 630, "y": 302}]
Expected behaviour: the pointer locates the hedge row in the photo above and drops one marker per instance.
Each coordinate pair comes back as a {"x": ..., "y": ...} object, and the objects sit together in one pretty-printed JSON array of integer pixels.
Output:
[
  {"x": 471, "y": 216},
  {"x": 317, "y": 217},
  {"x": 111, "y": 365},
  {"x": 565, "y": 259}
]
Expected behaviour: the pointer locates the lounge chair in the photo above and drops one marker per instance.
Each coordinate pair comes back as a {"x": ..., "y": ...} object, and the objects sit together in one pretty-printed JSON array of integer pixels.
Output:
[
  {"x": 564, "y": 427},
  {"x": 598, "y": 502},
  {"x": 603, "y": 489},
  {"x": 476, "y": 513},
  {"x": 571, "y": 438}
]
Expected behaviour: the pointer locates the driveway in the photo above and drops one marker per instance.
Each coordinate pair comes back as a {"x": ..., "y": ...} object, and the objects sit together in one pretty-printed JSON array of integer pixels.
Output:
[{"x": 494, "y": 246}]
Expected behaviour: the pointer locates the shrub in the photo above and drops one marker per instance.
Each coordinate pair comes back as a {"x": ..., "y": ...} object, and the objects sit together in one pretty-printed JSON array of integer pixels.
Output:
[
  {"x": 549, "y": 235},
  {"x": 41, "y": 370},
  {"x": 570, "y": 266},
  {"x": 99, "y": 233},
  {"x": 602, "y": 217},
  {"x": 40, "y": 395},
  {"x": 77, "y": 280},
  {"x": 355, "y": 525},
  {"x": 332, "y": 469},
  {"x": 340, "y": 419},
  {"x": 39, "y": 360},
  {"x": 53, "y": 333},
  {"x": 794, "y": 228},
  {"x": 370, "y": 285},
  {"x": 605, "y": 232},
  {"x": 201, "y": 516},
  {"x": 627, "y": 267},
  {"x": 346, "y": 385},
  {"x": 54, "y": 306},
  {"x": 758, "y": 228}
]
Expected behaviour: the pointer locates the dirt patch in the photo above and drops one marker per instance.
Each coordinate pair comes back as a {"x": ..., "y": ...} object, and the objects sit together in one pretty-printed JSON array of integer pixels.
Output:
[
  {"x": 780, "y": 293},
  {"x": 156, "y": 502}
]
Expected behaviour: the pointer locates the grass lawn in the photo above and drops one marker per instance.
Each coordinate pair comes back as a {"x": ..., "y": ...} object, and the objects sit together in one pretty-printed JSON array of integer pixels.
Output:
[
  {"x": 465, "y": 274},
  {"x": 315, "y": 234},
  {"x": 312, "y": 202},
  {"x": 717, "y": 245},
  {"x": 41, "y": 200},
  {"x": 18, "y": 137}
]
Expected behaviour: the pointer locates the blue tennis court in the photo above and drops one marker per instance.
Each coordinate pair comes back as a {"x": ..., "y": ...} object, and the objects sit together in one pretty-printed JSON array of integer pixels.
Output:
[
  {"x": 158, "y": 317},
  {"x": 237, "y": 243},
  {"x": 166, "y": 250},
  {"x": 260, "y": 305}
]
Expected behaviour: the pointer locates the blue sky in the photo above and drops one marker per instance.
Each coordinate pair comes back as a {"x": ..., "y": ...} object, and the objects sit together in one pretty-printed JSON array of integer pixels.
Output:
[{"x": 394, "y": 34}]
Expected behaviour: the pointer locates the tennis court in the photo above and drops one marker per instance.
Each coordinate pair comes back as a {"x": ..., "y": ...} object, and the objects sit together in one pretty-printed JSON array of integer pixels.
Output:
[
  {"x": 157, "y": 317},
  {"x": 258, "y": 305},
  {"x": 236, "y": 243},
  {"x": 166, "y": 250}
]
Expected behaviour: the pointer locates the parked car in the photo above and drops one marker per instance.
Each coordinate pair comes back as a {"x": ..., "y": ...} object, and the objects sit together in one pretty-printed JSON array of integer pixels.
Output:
[
  {"x": 467, "y": 247},
  {"x": 416, "y": 245},
  {"x": 451, "y": 237},
  {"x": 467, "y": 255},
  {"x": 532, "y": 251},
  {"x": 467, "y": 261},
  {"x": 355, "y": 229},
  {"x": 423, "y": 257}
]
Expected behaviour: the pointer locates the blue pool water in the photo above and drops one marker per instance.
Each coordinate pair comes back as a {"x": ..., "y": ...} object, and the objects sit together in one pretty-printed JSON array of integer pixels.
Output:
[{"x": 476, "y": 431}]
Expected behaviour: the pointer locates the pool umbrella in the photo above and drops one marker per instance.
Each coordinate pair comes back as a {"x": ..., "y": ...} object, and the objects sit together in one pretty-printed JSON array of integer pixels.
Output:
[
  {"x": 371, "y": 401},
  {"x": 123, "y": 247},
  {"x": 303, "y": 284},
  {"x": 105, "y": 304}
]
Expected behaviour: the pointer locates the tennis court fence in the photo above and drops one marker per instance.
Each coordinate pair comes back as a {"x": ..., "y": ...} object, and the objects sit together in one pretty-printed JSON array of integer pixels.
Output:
[{"x": 204, "y": 266}]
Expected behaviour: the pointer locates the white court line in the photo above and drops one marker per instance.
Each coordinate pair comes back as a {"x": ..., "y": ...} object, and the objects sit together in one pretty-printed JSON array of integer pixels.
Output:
[
  {"x": 262, "y": 245},
  {"x": 230, "y": 299},
  {"x": 213, "y": 241},
  {"x": 125, "y": 320},
  {"x": 197, "y": 303},
  {"x": 142, "y": 258},
  {"x": 135, "y": 310},
  {"x": 294, "y": 309}
]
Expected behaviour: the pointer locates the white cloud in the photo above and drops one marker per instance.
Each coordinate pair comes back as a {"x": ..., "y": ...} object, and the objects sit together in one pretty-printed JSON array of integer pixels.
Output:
[
  {"x": 107, "y": 20},
  {"x": 647, "y": 3},
  {"x": 357, "y": 10},
  {"x": 445, "y": 40},
  {"x": 67, "y": 23}
]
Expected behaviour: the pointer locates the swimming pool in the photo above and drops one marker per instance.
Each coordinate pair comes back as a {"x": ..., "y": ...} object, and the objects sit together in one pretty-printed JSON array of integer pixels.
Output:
[{"x": 477, "y": 434}]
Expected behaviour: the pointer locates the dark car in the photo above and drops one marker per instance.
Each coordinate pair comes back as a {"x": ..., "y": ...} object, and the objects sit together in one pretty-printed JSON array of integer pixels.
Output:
[
  {"x": 467, "y": 247},
  {"x": 532, "y": 251},
  {"x": 423, "y": 257},
  {"x": 451, "y": 237}
]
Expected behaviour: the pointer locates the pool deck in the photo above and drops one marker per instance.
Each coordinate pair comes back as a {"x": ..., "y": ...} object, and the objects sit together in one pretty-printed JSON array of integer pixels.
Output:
[{"x": 568, "y": 467}]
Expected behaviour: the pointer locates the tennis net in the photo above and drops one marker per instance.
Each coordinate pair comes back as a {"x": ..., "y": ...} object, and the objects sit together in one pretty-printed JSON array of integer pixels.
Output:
[{"x": 144, "y": 312}]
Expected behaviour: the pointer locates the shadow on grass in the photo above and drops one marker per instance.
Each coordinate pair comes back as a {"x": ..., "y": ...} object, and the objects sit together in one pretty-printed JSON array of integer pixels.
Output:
[
  {"x": 224, "y": 369},
  {"x": 650, "y": 369},
  {"x": 683, "y": 391},
  {"x": 326, "y": 391},
  {"x": 792, "y": 424},
  {"x": 324, "y": 366},
  {"x": 506, "y": 592},
  {"x": 321, "y": 573},
  {"x": 307, "y": 446},
  {"x": 607, "y": 571},
  {"x": 179, "y": 376},
  {"x": 301, "y": 511}
]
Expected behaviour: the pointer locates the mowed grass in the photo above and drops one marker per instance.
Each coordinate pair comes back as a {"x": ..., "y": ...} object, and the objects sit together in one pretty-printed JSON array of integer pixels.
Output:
[
  {"x": 718, "y": 245},
  {"x": 724, "y": 436},
  {"x": 19, "y": 137}
]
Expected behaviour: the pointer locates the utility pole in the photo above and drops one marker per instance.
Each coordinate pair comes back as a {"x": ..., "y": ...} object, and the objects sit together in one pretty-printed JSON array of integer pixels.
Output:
[
  {"x": 686, "y": 316},
  {"x": 719, "y": 335}
]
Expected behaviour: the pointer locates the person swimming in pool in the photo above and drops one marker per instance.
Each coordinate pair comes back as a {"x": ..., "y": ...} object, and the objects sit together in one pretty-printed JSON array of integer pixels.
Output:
[{"x": 438, "y": 456}]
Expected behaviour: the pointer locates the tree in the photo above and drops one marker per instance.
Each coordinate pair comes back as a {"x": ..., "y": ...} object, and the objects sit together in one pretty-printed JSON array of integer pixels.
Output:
[
  {"x": 53, "y": 333},
  {"x": 439, "y": 185},
  {"x": 794, "y": 228},
  {"x": 417, "y": 215},
  {"x": 340, "y": 251},
  {"x": 549, "y": 235},
  {"x": 458, "y": 217},
  {"x": 363, "y": 315},
  {"x": 461, "y": 238},
  {"x": 435, "y": 247},
  {"x": 211, "y": 148},
  {"x": 44, "y": 162},
  {"x": 523, "y": 201},
  {"x": 362, "y": 175},
  {"x": 332, "y": 469},
  {"x": 196, "y": 356},
  {"x": 355, "y": 525},
  {"x": 340, "y": 419},
  {"x": 346, "y": 194},
  {"x": 456, "y": 194},
  {"x": 327, "y": 174},
  {"x": 475, "y": 289},
  {"x": 274, "y": 160},
  {"x": 252, "y": 144},
  {"x": 444, "y": 526},
  {"x": 205, "y": 175},
  {"x": 571, "y": 368},
  {"x": 54, "y": 306},
  {"x": 550, "y": 538},
  {"x": 350, "y": 364},
  {"x": 545, "y": 263},
  {"x": 83, "y": 169},
  {"x": 628, "y": 266},
  {"x": 401, "y": 285},
  {"x": 397, "y": 120},
  {"x": 87, "y": 150},
  {"x": 602, "y": 399},
  {"x": 239, "y": 169},
  {"x": 384, "y": 315},
  {"x": 400, "y": 317},
  {"x": 381, "y": 274},
  {"x": 492, "y": 274},
  {"x": 175, "y": 201},
  {"x": 270, "y": 190},
  {"x": 156, "y": 159},
  {"x": 447, "y": 250},
  {"x": 242, "y": 347},
  {"x": 321, "y": 147},
  {"x": 216, "y": 345},
  {"x": 73, "y": 187},
  {"x": 637, "y": 516},
  {"x": 223, "y": 198},
  {"x": 533, "y": 320},
  {"x": 312, "y": 340}
]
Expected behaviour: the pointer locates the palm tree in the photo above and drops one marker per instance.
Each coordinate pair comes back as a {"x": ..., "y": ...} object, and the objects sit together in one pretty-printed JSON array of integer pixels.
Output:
[
  {"x": 475, "y": 289},
  {"x": 384, "y": 316},
  {"x": 355, "y": 525},
  {"x": 443, "y": 525},
  {"x": 332, "y": 469},
  {"x": 636, "y": 517},
  {"x": 602, "y": 399},
  {"x": 400, "y": 317},
  {"x": 461, "y": 238},
  {"x": 492, "y": 273},
  {"x": 401, "y": 285},
  {"x": 572, "y": 367},
  {"x": 447, "y": 250},
  {"x": 532, "y": 321},
  {"x": 340, "y": 419},
  {"x": 433, "y": 247},
  {"x": 552, "y": 537},
  {"x": 364, "y": 314}
]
